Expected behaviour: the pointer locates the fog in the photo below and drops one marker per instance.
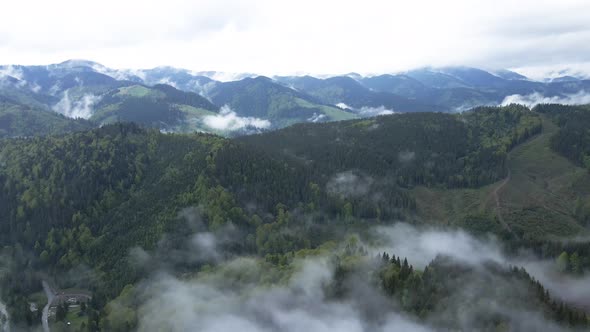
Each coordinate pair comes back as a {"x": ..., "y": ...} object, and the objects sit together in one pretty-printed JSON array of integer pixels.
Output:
[
  {"x": 317, "y": 117},
  {"x": 533, "y": 99},
  {"x": 222, "y": 303},
  {"x": 81, "y": 108},
  {"x": 367, "y": 111},
  {"x": 11, "y": 71},
  {"x": 245, "y": 293},
  {"x": 228, "y": 120},
  {"x": 574, "y": 290},
  {"x": 201, "y": 246},
  {"x": 422, "y": 245},
  {"x": 349, "y": 184},
  {"x": 203, "y": 89}
]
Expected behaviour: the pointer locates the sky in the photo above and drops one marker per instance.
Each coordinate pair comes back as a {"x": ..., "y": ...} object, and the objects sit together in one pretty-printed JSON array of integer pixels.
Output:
[{"x": 304, "y": 36}]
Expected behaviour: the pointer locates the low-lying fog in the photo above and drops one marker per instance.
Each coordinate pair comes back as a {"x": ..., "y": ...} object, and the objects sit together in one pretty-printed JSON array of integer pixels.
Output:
[{"x": 242, "y": 294}]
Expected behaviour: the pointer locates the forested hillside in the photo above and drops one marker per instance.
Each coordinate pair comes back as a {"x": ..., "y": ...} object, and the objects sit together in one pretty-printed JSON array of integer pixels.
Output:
[
  {"x": 261, "y": 97},
  {"x": 465, "y": 150},
  {"x": 350, "y": 92},
  {"x": 17, "y": 120},
  {"x": 161, "y": 106},
  {"x": 102, "y": 209},
  {"x": 572, "y": 140}
]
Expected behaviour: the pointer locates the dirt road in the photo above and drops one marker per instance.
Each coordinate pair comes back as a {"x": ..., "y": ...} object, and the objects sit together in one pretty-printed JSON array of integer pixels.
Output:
[{"x": 50, "y": 296}]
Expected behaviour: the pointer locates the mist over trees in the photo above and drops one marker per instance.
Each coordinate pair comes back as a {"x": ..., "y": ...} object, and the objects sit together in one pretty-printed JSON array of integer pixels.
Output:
[{"x": 209, "y": 225}]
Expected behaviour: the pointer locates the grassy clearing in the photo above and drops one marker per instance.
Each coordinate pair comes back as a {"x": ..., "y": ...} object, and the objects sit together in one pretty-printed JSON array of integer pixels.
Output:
[
  {"x": 191, "y": 111},
  {"x": 540, "y": 197},
  {"x": 193, "y": 120},
  {"x": 450, "y": 206},
  {"x": 139, "y": 91},
  {"x": 334, "y": 113},
  {"x": 75, "y": 318},
  {"x": 538, "y": 200}
]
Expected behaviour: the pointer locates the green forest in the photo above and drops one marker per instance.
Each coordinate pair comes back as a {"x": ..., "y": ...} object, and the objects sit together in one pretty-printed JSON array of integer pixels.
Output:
[{"x": 75, "y": 205}]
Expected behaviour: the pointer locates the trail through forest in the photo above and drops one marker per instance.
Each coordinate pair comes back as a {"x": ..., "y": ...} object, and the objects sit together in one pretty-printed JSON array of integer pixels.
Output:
[{"x": 497, "y": 191}]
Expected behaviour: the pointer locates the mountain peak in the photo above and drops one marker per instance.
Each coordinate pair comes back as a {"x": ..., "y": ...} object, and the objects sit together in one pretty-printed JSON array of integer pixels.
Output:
[{"x": 509, "y": 75}]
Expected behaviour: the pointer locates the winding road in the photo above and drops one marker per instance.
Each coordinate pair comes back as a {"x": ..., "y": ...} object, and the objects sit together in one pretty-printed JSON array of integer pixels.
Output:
[
  {"x": 50, "y": 296},
  {"x": 496, "y": 192},
  {"x": 498, "y": 205}
]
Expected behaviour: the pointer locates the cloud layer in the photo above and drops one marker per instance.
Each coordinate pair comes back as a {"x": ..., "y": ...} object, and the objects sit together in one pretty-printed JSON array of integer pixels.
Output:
[
  {"x": 367, "y": 111},
  {"x": 228, "y": 120},
  {"x": 374, "y": 111},
  {"x": 269, "y": 37},
  {"x": 421, "y": 246},
  {"x": 244, "y": 294},
  {"x": 11, "y": 71},
  {"x": 209, "y": 304},
  {"x": 81, "y": 108},
  {"x": 530, "y": 100}
]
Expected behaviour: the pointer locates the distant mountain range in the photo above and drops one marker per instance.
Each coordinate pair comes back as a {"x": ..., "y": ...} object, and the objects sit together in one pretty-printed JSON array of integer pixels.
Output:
[{"x": 179, "y": 100}]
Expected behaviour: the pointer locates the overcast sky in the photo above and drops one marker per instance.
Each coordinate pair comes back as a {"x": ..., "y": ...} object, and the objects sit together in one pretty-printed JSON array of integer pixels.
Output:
[{"x": 300, "y": 36}]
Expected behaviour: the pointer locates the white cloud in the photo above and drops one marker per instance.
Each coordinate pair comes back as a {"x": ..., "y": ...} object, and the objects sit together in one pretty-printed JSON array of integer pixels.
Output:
[
  {"x": 8, "y": 72},
  {"x": 317, "y": 117},
  {"x": 219, "y": 303},
  {"x": 374, "y": 111},
  {"x": 11, "y": 71},
  {"x": 223, "y": 76},
  {"x": 367, "y": 111},
  {"x": 203, "y": 89},
  {"x": 421, "y": 246},
  {"x": 241, "y": 294},
  {"x": 123, "y": 74},
  {"x": 228, "y": 120},
  {"x": 543, "y": 71},
  {"x": 168, "y": 81},
  {"x": 530, "y": 100},
  {"x": 270, "y": 37},
  {"x": 247, "y": 294},
  {"x": 81, "y": 108},
  {"x": 343, "y": 106},
  {"x": 35, "y": 87},
  {"x": 349, "y": 184}
]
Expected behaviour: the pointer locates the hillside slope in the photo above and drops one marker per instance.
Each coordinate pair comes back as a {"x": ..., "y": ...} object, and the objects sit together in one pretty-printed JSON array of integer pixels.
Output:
[
  {"x": 17, "y": 120},
  {"x": 342, "y": 90},
  {"x": 262, "y": 98},
  {"x": 102, "y": 209},
  {"x": 160, "y": 106},
  {"x": 537, "y": 201}
]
